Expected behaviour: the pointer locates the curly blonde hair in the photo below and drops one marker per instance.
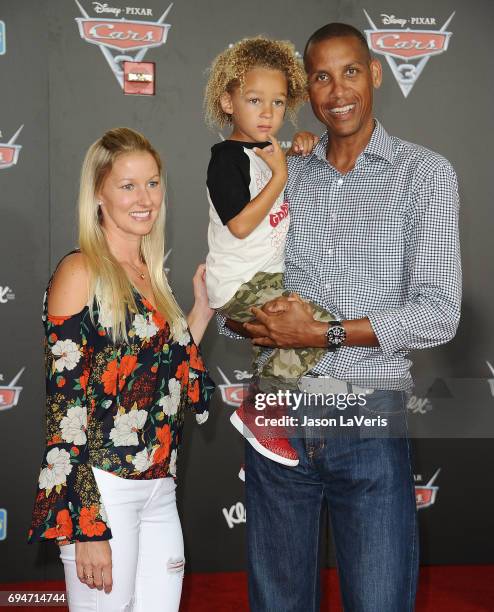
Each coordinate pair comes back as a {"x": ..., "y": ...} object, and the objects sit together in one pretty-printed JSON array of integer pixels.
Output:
[{"x": 228, "y": 70}]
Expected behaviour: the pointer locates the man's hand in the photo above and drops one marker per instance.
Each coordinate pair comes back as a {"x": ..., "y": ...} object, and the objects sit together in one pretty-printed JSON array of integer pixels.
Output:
[{"x": 286, "y": 323}]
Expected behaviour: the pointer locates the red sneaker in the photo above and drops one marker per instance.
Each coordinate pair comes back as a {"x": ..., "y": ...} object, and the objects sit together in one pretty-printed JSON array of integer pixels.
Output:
[{"x": 263, "y": 440}]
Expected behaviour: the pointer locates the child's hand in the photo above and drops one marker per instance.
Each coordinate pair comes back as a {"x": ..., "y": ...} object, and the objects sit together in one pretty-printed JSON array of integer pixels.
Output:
[
  {"x": 274, "y": 157},
  {"x": 303, "y": 143}
]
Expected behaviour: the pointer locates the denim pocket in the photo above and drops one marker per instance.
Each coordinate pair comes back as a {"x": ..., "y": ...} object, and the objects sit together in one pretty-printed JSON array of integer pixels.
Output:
[{"x": 382, "y": 402}]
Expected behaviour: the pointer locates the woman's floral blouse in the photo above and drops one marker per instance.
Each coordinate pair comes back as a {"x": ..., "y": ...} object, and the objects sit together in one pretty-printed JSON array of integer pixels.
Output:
[{"x": 116, "y": 407}]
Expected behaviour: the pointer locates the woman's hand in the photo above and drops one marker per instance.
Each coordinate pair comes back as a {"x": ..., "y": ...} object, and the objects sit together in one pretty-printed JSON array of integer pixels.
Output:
[
  {"x": 303, "y": 143},
  {"x": 201, "y": 299},
  {"x": 94, "y": 566},
  {"x": 200, "y": 315}
]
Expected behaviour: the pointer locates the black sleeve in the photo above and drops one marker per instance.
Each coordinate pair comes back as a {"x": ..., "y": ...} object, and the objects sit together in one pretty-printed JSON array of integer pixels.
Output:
[{"x": 228, "y": 182}]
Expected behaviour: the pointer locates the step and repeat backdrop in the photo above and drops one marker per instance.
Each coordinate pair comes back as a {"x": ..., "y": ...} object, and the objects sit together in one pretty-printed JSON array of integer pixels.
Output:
[{"x": 63, "y": 84}]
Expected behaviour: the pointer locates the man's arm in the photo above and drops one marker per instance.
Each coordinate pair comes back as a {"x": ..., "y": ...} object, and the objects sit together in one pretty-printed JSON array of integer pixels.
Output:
[
  {"x": 431, "y": 313},
  {"x": 293, "y": 326}
]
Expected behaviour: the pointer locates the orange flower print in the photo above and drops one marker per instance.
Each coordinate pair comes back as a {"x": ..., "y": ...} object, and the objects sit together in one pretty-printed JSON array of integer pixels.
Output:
[
  {"x": 195, "y": 359},
  {"x": 83, "y": 380},
  {"x": 53, "y": 338},
  {"x": 158, "y": 320},
  {"x": 88, "y": 523},
  {"x": 193, "y": 391},
  {"x": 57, "y": 320},
  {"x": 127, "y": 365},
  {"x": 112, "y": 372},
  {"x": 63, "y": 528},
  {"x": 109, "y": 378},
  {"x": 61, "y": 381},
  {"x": 165, "y": 439},
  {"x": 183, "y": 373}
]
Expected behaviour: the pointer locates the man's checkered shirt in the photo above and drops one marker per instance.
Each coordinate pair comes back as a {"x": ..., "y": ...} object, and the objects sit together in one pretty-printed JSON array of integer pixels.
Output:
[{"x": 380, "y": 242}]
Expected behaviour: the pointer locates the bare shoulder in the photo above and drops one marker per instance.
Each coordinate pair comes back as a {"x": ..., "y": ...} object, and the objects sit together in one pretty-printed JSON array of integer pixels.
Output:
[{"x": 69, "y": 289}]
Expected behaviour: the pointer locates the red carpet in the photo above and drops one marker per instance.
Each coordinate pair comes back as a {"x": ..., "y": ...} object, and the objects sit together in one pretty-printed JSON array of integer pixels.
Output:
[{"x": 465, "y": 588}]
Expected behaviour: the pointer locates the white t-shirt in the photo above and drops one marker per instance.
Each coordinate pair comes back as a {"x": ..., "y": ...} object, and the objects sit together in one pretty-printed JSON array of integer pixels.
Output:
[{"x": 235, "y": 177}]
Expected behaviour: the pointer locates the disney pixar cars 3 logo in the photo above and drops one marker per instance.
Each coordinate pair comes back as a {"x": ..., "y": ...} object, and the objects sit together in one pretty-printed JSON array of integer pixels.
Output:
[
  {"x": 233, "y": 394},
  {"x": 9, "y": 395},
  {"x": 407, "y": 50},
  {"x": 122, "y": 40},
  {"x": 425, "y": 495},
  {"x": 9, "y": 152}
]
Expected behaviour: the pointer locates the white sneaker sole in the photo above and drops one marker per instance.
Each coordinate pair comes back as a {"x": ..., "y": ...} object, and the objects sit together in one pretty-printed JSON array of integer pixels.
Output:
[{"x": 242, "y": 428}]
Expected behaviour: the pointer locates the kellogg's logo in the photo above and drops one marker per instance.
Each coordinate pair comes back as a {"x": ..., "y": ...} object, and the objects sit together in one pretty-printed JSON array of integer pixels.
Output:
[
  {"x": 401, "y": 47},
  {"x": 6, "y": 294},
  {"x": 425, "y": 495},
  {"x": 3, "y": 523},
  {"x": 235, "y": 515},
  {"x": 3, "y": 45},
  {"x": 9, "y": 152},
  {"x": 9, "y": 395},
  {"x": 122, "y": 40}
]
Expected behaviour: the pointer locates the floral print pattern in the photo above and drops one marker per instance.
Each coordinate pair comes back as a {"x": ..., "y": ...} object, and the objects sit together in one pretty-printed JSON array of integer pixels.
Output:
[{"x": 116, "y": 407}]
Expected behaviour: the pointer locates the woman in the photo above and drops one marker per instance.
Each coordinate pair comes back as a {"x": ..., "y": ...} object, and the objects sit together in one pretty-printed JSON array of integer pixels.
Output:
[{"x": 121, "y": 366}]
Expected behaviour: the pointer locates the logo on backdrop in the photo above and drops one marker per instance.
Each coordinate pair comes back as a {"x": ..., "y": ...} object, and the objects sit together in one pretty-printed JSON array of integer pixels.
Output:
[
  {"x": 122, "y": 40},
  {"x": 425, "y": 495},
  {"x": 407, "y": 50},
  {"x": 235, "y": 515},
  {"x": 233, "y": 393},
  {"x": 491, "y": 380},
  {"x": 9, "y": 395},
  {"x": 3, "y": 43},
  {"x": 6, "y": 294},
  {"x": 3, "y": 523},
  {"x": 9, "y": 152},
  {"x": 419, "y": 405}
]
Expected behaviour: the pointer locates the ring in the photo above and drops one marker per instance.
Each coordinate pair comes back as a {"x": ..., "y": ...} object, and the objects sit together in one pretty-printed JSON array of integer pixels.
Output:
[{"x": 88, "y": 577}]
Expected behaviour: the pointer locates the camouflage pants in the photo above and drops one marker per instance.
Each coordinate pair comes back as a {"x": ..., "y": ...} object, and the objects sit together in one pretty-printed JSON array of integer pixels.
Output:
[{"x": 286, "y": 365}]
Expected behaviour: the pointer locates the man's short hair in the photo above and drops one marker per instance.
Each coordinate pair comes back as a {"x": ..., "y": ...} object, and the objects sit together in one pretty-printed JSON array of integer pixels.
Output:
[{"x": 336, "y": 30}]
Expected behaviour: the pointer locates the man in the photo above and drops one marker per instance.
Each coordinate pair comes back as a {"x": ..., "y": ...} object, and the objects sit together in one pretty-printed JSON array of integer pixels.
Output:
[{"x": 373, "y": 239}]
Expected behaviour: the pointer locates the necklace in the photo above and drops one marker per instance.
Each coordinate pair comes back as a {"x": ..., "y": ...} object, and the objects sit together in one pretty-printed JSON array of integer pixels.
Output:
[{"x": 141, "y": 274}]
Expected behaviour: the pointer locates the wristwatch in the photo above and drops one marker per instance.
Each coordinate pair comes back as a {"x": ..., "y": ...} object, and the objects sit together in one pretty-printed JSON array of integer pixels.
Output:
[{"x": 336, "y": 334}]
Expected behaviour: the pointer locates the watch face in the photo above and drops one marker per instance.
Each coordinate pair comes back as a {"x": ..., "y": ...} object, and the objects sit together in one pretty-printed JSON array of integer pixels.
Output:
[{"x": 336, "y": 335}]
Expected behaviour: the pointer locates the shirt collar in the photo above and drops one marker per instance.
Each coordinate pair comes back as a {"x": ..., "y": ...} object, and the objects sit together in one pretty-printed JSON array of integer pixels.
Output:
[{"x": 380, "y": 145}]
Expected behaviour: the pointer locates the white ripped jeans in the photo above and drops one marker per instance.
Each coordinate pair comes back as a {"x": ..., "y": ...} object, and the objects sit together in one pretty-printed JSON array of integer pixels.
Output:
[{"x": 147, "y": 549}]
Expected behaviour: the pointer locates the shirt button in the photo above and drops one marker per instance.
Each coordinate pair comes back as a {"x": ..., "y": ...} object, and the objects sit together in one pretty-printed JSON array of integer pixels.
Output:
[
  {"x": 340, "y": 181},
  {"x": 328, "y": 285},
  {"x": 333, "y": 216},
  {"x": 330, "y": 252}
]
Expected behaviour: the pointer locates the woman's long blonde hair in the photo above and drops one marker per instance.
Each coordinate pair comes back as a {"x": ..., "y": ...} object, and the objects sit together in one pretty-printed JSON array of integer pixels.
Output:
[{"x": 108, "y": 281}]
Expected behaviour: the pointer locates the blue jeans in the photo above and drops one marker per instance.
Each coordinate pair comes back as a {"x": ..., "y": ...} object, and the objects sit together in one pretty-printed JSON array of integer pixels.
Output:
[{"x": 368, "y": 485}]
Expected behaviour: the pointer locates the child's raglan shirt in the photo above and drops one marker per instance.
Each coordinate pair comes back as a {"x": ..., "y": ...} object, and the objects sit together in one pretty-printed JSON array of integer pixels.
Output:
[{"x": 235, "y": 176}]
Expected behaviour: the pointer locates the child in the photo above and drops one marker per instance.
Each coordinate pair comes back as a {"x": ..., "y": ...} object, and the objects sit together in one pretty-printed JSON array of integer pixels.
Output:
[{"x": 251, "y": 86}]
